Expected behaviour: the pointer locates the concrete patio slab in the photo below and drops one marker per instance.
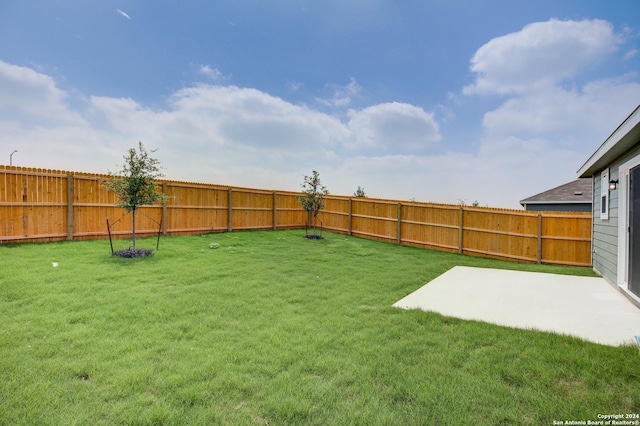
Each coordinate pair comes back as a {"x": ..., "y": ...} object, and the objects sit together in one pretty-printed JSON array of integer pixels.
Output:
[{"x": 584, "y": 307}]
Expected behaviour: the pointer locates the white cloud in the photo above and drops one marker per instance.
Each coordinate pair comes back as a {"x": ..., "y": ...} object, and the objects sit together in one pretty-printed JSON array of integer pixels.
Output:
[
  {"x": 212, "y": 73},
  {"x": 255, "y": 119},
  {"x": 245, "y": 137},
  {"x": 34, "y": 94},
  {"x": 540, "y": 55},
  {"x": 394, "y": 127},
  {"x": 548, "y": 124},
  {"x": 631, "y": 53},
  {"x": 500, "y": 173},
  {"x": 341, "y": 95},
  {"x": 226, "y": 135},
  {"x": 209, "y": 132},
  {"x": 123, "y": 14},
  {"x": 294, "y": 86},
  {"x": 579, "y": 115}
]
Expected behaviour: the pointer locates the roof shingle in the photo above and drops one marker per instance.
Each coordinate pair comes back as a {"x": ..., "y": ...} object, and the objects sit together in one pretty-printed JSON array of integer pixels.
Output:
[{"x": 577, "y": 191}]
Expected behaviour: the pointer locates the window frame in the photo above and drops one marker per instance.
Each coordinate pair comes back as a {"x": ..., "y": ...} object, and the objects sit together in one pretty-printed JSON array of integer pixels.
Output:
[{"x": 604, "y": 194}]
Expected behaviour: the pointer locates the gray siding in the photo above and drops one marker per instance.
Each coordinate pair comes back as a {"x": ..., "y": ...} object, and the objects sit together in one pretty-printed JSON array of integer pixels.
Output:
[
  {"x": 605, "y": 232},
  {"x": 568, "y": 207}
]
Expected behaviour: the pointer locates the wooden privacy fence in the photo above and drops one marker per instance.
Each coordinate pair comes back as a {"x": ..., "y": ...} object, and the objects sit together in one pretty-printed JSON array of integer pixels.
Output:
[
  {"x": 48, "y": 205},
  {"x": 542, "y": 237}
]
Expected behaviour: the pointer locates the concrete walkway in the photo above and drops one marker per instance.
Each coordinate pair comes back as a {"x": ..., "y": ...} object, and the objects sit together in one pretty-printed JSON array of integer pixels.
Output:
[{"x": 585, "y": 307}]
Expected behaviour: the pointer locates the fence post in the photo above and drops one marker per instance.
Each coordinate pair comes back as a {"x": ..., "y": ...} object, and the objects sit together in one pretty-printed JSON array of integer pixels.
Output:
[
  {"x": 164, "y": 209},
  {"x": 70, "y": 182},
  {"x": 460, "y": 220},
  {"x": 275, "y": 216},
  {"x": 398, "y": 235},
  {"x": 349, "y": 221},
  {"x": 230, "y": 211},
  {"x": 539, "y": 239}
]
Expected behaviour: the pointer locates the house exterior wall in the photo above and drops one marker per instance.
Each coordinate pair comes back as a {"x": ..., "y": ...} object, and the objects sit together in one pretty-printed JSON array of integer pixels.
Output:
[
  {"x": 568, "y": 207},
  {"x": 605, "y": 235},
  {"x": 605, "y": 231}
]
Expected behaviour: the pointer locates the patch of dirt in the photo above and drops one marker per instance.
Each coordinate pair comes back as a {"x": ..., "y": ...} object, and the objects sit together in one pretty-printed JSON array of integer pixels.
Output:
[{"x": 129, "y": 253}]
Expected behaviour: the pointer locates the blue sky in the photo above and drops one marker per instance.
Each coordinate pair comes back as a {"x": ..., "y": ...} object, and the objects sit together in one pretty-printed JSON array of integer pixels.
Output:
[{"x": 434, "y": 100}]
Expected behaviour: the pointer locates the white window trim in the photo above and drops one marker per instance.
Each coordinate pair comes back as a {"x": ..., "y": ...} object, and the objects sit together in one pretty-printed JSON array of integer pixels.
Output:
[{"x": 604, "y": 194}]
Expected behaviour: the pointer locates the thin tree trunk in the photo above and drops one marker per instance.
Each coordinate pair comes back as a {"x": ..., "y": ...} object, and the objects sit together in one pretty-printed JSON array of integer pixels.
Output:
[
  {"x": 314, "y": 224},
  {"x": 134, "y": 229}
]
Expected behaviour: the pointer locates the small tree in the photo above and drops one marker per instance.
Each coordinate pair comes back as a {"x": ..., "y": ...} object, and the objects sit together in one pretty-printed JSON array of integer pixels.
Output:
[
  {"x": 312, "y": 198},
  {"x": 360, "y": 193},
  {"x": 463, "y": 203},
  {"x": 135, "y": 184}
]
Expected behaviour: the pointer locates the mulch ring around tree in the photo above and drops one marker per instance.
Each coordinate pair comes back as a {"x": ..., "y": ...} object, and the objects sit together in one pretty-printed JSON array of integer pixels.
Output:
[
  {"x": 130, "y": 253},
  {"x": 313, "y": 237}
]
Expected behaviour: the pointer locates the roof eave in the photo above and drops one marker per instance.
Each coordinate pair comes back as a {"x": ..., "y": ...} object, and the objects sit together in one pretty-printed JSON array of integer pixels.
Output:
[
  {"x": 556, "y": 202},
  {"x": 621, "y": 140}
]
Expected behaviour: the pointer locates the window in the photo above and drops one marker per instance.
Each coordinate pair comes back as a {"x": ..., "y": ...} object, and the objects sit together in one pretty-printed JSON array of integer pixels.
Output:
[{"x": 604, "y": 194}]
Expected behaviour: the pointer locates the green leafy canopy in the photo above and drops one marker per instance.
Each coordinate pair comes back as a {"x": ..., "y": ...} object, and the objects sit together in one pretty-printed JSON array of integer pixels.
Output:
[
  {"x": 135, "y": 184},
  {"x": 313, "y": 193}
]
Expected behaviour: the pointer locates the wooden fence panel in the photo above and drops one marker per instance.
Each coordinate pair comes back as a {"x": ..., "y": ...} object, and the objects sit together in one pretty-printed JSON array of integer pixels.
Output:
[
  {"x": 432, "y": 226},
  {"x": 252, "y": 209},
  {"x": 37, "y": 223},
  {"x": 45, "y": 205},
  {"x": 289, "y": 213},
  {"x": 374, "y": 219},
  {"x": 88, "y": 190},
  {"x": 90, "y": 222},
  {"x": 335, "y": 215},
  {"x": 11, "y": 187},
  {"x": 33, "y": 204},
  {"x": 193, "y": 209},
  {"x": 500, "y": 234},
  {"x": 10, "y": 222},
  {"x": 92, "y": 206},
  {"x": 566, "y": 239}
]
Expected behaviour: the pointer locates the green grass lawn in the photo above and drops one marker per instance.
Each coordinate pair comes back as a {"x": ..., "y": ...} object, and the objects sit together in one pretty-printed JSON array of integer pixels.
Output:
[{"x": 274, "y": 329}]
